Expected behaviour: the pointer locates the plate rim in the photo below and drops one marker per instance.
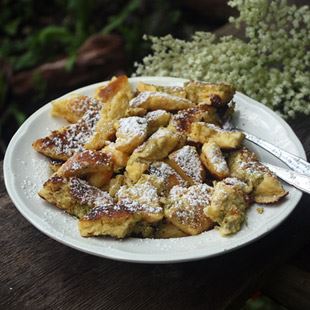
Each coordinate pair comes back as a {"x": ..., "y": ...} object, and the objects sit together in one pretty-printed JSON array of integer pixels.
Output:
[{"x": 130, "y": 256}]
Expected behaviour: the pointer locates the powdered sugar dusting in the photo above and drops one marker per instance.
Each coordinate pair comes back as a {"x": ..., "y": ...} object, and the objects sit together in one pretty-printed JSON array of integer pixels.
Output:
[
  {"x": 216, "y": 158},
  {"x": 186, "y": 204},
  {"x": 72, "y": 138},
  {"x": 30, "y": 184},
  {"x": 188, "y": 160},
  {"x": 141, "y": 194},
  {"x": 195, "y": 195},
  {"x": 29, "y": 187},
  {"x": 89, "y": 195},
  {"x": 87, "y": 158},
  {"x": 155, "y": 114},
  {"x": 254, "y": 167},
  {"x": 234, "y": 181},
  {"x": 81, "y": 104},
  {"x": 184, "y": 118},
  {"x": 132, "y": 126},
  {"x": 143, "y": 97},
  {"x": 219, "y": 129},
  {"x": 164, "y": 171},
  {"x": 135, "y": 206}
]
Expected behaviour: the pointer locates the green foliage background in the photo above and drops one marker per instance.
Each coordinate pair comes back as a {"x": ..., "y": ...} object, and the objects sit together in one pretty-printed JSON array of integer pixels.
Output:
[{"x": 33, "y": 32}]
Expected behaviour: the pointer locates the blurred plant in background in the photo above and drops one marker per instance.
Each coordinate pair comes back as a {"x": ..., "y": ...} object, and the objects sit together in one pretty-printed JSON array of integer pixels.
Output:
[
  {"x": 31, "y": 36},
  {"x": 34, "y": 33},
  {"x": 47, "y": 49},
  {"x": 271, "y": 64}
]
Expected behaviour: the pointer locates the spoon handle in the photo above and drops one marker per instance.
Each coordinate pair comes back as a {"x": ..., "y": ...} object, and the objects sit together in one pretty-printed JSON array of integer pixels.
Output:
[
  {"x": 294, "y": 162},
  {"x": 296, "y": 179}
]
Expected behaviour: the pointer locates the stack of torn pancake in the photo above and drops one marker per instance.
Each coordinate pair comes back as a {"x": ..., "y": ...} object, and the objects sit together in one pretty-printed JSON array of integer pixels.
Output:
[{"x": 153, "y": 162}]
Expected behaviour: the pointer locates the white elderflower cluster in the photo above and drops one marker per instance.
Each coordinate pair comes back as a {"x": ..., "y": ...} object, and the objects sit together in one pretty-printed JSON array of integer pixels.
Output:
[{"x": 271, "y": 65}]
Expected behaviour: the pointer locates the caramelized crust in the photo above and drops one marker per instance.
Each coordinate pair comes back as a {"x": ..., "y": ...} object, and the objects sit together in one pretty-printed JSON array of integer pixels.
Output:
[
  {"x": 96, "y": 166},
  {"x": 117, "y": 221},
  {"x": 136, "y": 204},
  {"x": 72, "y": 108},
  {"x": 156, "y": 119},
  {"x": 107, "y": 92},
  {"x": 115, "y": 95},
  {"x": 55, "y": 164},
  {"x": 183, "y": 120},
  {"x": 73, "y": 195},
  {"x": 211, "y": 94},
  {"x": 63, "y": 143}
]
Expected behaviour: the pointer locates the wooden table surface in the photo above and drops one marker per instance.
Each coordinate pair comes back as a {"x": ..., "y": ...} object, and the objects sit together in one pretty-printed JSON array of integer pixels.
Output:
[{"x": 37, "y": 272}]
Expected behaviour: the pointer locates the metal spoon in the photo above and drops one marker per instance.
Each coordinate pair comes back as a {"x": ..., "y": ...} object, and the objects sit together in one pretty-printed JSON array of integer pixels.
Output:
[{"x": 298, "y": 180}]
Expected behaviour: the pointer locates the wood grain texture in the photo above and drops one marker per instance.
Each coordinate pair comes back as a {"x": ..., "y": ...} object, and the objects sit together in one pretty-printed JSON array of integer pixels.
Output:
[{"x": 39, "y": 273}]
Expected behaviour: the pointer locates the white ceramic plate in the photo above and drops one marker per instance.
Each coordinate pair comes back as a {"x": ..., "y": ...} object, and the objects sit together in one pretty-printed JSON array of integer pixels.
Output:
[{"x": 25, "y": 171}]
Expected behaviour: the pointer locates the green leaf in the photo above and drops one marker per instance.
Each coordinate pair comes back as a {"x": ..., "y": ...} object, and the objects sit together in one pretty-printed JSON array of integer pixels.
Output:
[
  {"x": 54, "y": 33},
  {"x": 82, "y": 16},
  {"x": 117, "y": 20},
  {"x": 11, "y": 27},
  {"x": 70, "y": 62},
  {"x": 26, "y": 60}
]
